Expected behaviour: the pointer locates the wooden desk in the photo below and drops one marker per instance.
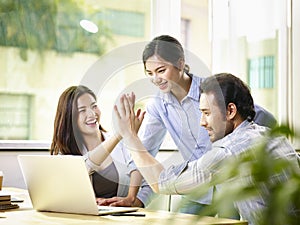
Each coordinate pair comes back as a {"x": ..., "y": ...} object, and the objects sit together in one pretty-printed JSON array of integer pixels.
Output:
[{"x": 27, "y": 215}]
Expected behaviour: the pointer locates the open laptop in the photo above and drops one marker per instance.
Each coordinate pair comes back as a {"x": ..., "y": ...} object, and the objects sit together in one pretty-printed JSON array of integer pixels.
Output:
[{"x": 61, "y": 183}]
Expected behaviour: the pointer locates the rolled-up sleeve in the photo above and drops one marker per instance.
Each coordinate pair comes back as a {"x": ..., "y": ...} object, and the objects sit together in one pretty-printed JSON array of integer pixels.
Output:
[
  {"x": 187, "y": 177},
  {"x": 145, "y": 194},
  {"x": 168, "y": 177}
]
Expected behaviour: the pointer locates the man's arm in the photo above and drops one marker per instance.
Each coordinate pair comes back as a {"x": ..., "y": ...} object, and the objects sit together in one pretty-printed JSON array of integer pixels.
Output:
[
  {"x": 149, "y": 167},
  {"x": 180, "y": 179}
]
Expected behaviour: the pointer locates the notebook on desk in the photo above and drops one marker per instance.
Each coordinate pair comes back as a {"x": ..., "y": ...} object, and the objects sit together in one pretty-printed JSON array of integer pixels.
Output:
[{"x": 62, "y": 184}]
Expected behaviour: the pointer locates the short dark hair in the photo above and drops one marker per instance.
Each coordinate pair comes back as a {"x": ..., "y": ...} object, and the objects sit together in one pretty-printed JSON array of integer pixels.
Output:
[{"x": 228, "y": 88}]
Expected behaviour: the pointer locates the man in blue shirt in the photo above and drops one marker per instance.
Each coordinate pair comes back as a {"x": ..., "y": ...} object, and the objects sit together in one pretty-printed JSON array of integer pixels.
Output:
[{"x": 227, "y": 115}]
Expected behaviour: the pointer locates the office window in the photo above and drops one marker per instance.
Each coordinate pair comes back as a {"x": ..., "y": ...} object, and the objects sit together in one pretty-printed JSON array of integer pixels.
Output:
[
  {"x": 185, "y": 28},
  {"x": 70, "y": 37},
  {"x": 45, "y": 25},
  {"x": 124, "y": 22},
  {"x": 15, "y": 114},
  {"x": 261, "y": 72},
  {"x": 44, "y": 49},
  {"x": 254, "y": 48}
]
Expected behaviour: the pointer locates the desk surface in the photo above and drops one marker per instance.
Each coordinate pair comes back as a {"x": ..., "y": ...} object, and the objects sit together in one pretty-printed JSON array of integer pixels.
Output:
[{"x": 27, "y": 215}]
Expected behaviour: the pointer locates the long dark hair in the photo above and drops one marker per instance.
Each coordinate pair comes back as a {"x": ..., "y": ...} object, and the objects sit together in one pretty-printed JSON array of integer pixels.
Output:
[
  {"x": 166, "y": 47},
  {"x": 66, "y": 136},
  {"x": 228, "y": 88}
]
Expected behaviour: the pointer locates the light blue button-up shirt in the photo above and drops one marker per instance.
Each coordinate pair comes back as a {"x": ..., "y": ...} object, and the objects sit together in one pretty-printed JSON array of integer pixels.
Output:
[
  {"x": 187, "y": 177},
  {"x": 182, "y": 121}
]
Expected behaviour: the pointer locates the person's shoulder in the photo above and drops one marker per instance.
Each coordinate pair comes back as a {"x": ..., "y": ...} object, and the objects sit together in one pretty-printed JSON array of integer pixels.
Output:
[
  {"x": 153, "y": 103},
  {"x": 194, "y": 88},
  {"x": 159, "y": 100},
  {"x": 246, "y": 134},
  {"x": 196, "y": 78},
  {"x": 264, "y": 117},
  {"x": 259, "y": 128},
  {"x": 251, "y": 130}
]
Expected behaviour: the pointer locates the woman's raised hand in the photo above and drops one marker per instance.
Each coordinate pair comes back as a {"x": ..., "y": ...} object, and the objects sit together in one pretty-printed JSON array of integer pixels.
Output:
[
  {"x": 126, "y": 121},
  {"x": 139, "y": 116}
]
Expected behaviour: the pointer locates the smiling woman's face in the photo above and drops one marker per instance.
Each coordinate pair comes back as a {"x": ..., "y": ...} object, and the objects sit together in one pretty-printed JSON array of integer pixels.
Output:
[
  {"x": 88, "y": 114},
  {"x": 163, "y": 74}
]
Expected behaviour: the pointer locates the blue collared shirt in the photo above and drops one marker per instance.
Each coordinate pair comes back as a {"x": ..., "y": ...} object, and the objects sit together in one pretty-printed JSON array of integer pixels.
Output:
[
  {"x": 182, "y": 121},
  {"x": 185, "y": 178}
]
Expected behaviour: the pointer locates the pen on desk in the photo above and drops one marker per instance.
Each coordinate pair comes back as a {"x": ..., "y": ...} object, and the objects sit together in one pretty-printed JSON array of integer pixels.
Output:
[
  {"x": 16, "y": 200},
  {"x": 129, "y": 214}
]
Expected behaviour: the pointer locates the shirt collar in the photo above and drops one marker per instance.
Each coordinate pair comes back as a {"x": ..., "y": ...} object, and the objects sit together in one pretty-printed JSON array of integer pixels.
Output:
[
  {"x": 194, "y": 92},
  {"x": 241, "y": 126},
  {"x": 244, "y": 124}
]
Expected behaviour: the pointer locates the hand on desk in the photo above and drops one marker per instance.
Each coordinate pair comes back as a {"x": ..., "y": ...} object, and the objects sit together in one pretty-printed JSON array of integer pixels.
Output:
[{"x": 120, "y": 201}]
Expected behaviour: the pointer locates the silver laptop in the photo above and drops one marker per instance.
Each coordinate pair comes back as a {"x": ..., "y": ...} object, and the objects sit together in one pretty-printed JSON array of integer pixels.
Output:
[{"x": 61, "y": 184}]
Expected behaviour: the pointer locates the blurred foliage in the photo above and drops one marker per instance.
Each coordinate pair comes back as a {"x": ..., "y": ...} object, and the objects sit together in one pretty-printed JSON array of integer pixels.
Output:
[
  {"x": 261, "y": 166},
  {"x": 51, "y": 25}
]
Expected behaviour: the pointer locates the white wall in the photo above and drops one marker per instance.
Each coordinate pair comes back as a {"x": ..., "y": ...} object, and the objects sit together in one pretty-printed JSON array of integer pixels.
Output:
[{"x": 12, "y": 175}]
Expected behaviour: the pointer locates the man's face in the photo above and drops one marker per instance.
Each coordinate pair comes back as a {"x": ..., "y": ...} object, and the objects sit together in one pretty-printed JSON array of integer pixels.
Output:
[{"x": 212, "y": 118}]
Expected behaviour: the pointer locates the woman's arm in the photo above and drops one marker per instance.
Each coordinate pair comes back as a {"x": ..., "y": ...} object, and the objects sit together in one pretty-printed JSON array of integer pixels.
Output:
[
  {"x": 130, "y": 199},
  {"x": 149, "y": 167},
  {"x": 135, "y": 183},
  {"x": 101, "y": 152}
]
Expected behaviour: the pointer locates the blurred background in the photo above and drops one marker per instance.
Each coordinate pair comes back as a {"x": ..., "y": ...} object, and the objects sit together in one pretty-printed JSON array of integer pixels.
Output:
[{"x": 47, "y": 46}]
